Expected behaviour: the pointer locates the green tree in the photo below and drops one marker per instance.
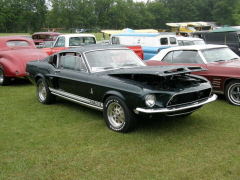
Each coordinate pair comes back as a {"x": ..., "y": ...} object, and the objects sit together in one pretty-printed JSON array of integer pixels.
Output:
[
  {"x": 226, "y": 12},
  {"x": 160, "y": 12},
  {"x": 183, "y": 11}
]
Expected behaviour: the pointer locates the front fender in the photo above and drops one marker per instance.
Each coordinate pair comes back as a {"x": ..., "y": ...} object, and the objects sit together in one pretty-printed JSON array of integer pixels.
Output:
[{"x": 112, "y": 93}]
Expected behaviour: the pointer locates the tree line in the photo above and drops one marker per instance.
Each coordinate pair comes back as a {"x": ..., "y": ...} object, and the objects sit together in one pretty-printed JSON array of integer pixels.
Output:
[{"x": 32, "y": 15}]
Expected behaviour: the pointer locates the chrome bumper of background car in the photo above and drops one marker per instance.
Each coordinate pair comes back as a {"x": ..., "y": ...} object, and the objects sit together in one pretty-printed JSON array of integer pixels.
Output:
[{"x": 174, "y": 109}]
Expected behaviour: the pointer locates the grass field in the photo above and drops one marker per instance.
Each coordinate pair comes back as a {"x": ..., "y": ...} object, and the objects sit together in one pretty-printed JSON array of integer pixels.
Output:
[
  {"x": 69, "y": 141},
  {"x": 97, "y": 35}
]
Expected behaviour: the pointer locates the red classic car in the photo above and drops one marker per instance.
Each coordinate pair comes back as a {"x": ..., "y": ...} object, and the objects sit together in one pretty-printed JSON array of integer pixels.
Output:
[
  {"x": 43, "y": 39},
  {"x": 15, "y": 52},
  {"x": 222, "y": 64}
]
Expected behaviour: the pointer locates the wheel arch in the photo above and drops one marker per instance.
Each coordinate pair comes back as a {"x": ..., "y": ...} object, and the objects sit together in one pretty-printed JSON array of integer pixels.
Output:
[
  {"x": 113, "y": 93},
  {"x": 228, "y": 81},
  {"x": 39, "y": 76}
]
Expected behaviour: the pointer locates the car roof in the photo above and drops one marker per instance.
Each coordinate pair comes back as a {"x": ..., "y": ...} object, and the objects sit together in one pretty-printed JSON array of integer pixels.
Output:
[
  {"x": 77, "y": 35},
  {"x": 147, "y": 34},
  {"x": 196, "y": 47},
  {"x": 93, "y": 47},
  {"x": 189, "y": 38},
  {"x": 49, "y": 33},
  {"x": 163, "y": 52},
  {"x": 5, "y": 39}
]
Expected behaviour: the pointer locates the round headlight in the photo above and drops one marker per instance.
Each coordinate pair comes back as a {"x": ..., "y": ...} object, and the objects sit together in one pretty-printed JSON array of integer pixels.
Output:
[{"x": 150, "y": 100}]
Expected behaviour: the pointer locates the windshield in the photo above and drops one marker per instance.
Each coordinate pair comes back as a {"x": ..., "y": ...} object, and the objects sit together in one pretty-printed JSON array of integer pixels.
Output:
[
  {"x": 79, "y": 41},
  {"x": 200, "y": 42},
  {"x": 219, "y": 54},
  {"x": 102, "y": 60}
]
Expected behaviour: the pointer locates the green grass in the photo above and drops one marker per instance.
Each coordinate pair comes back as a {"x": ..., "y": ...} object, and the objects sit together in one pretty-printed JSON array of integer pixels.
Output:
[
  {"x": 97, "y": 35},
  {"x": 68, "y": 141}
]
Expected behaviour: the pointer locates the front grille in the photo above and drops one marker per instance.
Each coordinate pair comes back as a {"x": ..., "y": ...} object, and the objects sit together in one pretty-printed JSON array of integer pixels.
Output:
[{"x": 190, "y": 97}]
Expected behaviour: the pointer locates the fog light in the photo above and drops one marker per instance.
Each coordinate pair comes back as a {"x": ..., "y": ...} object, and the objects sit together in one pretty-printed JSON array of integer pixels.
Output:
[{"x": 150, "y": 100}]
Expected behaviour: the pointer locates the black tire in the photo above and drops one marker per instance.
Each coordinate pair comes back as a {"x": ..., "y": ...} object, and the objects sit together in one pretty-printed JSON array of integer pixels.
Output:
[
  {"x": 43, "y": 93},
  {"x": 117, "y": 115},
  {"x": 232, "y": 92},
  {"x": 3, "y": 79}
]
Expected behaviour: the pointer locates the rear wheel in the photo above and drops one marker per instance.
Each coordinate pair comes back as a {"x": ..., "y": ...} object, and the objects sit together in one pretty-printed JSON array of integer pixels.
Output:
[
  {"x": 43, "y": 93},
  {"x": 3, "y": 79},
  {"x": 232, "y": 92},
  {"x": 117, "y": 115}
]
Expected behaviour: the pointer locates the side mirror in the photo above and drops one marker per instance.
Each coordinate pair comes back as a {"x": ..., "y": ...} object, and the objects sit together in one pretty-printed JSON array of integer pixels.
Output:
[{"x": 51, "y": 45}]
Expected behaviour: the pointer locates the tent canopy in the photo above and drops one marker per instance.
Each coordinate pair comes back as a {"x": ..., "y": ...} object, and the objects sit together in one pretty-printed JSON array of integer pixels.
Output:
[{"x": 225, "y": 28}]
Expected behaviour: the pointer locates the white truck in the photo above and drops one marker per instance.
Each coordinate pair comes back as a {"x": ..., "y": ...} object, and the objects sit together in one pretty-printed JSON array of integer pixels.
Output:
[{"x": 66, "y": 41}]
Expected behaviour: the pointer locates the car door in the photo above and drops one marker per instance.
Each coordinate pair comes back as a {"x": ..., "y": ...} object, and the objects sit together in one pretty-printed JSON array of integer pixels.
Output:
[{"x": 70, "y": 78}]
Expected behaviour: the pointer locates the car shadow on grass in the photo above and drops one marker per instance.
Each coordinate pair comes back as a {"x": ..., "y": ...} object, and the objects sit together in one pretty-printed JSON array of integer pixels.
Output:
[
  {"x": 161, "y": 124},
  {"x": 19, "y": 82},
  {"x": 81, "y": 108}
]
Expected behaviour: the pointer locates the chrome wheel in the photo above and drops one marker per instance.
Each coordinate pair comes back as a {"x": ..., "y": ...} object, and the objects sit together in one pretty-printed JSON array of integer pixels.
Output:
[
  {"x": 116, "y": 115},
  {"x": 42, "y": 92},
  {"x": 1, "y": 76},
  {"x": 3, "y": 79},
  {"x": 233, "y": 92}
]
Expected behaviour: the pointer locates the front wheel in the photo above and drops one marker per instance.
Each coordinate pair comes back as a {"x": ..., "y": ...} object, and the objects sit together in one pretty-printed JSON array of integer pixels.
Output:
[
  {"x": 117, "y": 115},
  {"x": 3, "y": 79},
  {"x": 232, "y": 92},
  {"x": 43, "y": 93}
]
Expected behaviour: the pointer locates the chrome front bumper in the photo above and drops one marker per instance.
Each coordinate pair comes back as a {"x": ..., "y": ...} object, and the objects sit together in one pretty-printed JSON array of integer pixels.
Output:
[{"x": 175, "y": 109}]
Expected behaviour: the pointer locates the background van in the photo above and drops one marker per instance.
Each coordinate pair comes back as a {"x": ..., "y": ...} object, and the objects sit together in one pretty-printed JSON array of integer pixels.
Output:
[
  {"x": 231, "y": 39},
  {"x": 151, "y": 43}
]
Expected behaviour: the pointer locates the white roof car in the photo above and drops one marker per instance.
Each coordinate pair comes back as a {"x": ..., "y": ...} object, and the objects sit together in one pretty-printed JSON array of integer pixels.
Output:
[
  {"x": 163, "y": 52},
  {"x": 188, "y": 41}
]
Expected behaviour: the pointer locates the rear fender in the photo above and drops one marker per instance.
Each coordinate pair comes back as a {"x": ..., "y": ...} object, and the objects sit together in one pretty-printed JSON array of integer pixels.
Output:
[{"x": 6, "y": 64}]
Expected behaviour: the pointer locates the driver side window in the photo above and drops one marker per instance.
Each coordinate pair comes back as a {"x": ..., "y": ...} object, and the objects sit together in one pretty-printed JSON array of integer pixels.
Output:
[{"x": 72, "y": 61}]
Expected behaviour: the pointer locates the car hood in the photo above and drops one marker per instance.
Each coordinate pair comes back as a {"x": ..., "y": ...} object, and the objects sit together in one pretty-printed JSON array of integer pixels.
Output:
[
  {"x": 158, "y": 78},
  {"x": 155, "y": 70},
  {"x": 231, "y": 63}
]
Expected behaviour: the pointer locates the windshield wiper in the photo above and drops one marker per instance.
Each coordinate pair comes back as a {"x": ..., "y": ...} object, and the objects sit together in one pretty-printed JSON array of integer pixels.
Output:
[
  {"x": 130, "y": 64},
  {"x": 234, "y": 58},
  {"x": 110, "y": 67},
  {"x": 220, "y": 60}
]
